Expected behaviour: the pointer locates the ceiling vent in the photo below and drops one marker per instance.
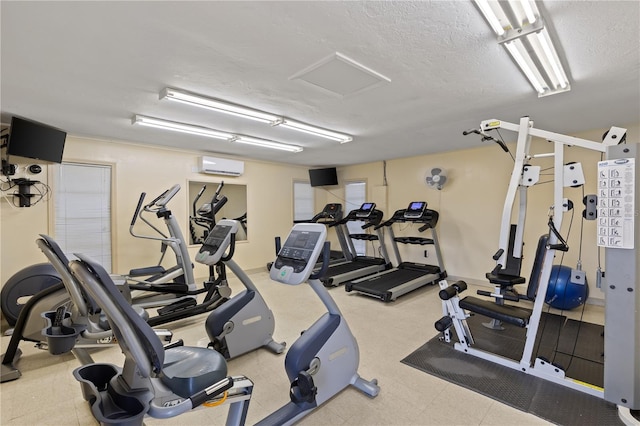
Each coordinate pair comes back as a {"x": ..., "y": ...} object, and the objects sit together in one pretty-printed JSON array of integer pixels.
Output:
[
  {"x": 221, "y": 166},
  {"x": 340, "y": 75}
]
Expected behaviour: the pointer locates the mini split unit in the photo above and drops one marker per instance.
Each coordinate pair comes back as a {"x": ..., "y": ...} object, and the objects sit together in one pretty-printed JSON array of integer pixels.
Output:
[{"x": 221, "y": 166}]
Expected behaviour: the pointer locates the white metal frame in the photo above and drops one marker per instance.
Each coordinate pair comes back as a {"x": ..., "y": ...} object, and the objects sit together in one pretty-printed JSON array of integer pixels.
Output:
[{"x": 525, "y": 132}]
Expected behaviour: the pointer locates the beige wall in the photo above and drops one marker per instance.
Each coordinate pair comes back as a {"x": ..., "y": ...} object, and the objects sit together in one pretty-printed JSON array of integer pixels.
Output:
[
  {"x": 470, "y": 205},
  {"x": 139, "y": 168}
]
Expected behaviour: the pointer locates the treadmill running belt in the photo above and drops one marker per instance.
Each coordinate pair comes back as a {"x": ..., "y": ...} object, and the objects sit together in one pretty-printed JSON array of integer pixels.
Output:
[
  {"x": 380, "y": 285},
  {"x": 356, "y": 264}
]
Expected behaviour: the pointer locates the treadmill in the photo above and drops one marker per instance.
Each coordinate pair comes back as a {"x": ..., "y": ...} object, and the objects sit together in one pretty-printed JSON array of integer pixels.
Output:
[
  {"x": 330, "y": 214},
  {"x": 354, "y": 266},
  {"x": 407, "y": 276}
]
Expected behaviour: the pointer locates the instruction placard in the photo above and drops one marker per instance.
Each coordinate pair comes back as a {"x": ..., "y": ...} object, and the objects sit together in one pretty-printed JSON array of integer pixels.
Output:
[{"x": 616, "y": 198}]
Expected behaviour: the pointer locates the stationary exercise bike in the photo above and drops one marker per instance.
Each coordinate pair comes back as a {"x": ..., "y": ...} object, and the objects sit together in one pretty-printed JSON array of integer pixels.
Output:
[
  {"x": 244, "y": 322},
  {"x": 324, "y": 360}
]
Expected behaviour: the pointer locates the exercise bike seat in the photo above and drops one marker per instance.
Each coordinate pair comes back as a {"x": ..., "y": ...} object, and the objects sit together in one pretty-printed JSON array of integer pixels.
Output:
[{"x": 187, "y": 370}]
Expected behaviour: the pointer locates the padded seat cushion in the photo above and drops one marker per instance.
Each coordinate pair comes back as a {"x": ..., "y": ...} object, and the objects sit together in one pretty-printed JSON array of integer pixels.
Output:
[
  {"x": 504, "y": 280},
  {"x": 509, "y": 314},
  {"x": 188, "y": 370}
]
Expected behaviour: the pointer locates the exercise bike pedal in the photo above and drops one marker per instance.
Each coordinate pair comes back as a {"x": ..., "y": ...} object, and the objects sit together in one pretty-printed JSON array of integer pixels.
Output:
[
  {"x": 178, "y": 306},
  {"x": 303, "y": 389}
]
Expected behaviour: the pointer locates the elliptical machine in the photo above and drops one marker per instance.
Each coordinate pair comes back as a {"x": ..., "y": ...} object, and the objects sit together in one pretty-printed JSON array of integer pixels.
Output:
[
  {"x": 324, "y": 360},
  {"x": 244, "y": 322},
  {"x": 82, "y": 324}
]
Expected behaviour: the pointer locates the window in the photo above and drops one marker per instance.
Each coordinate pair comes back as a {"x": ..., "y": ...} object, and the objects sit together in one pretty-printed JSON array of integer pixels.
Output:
[
  {"x": 303, "y": 202},
  {"x": 82, "y": 210},
  {"x": 355, "y": 194}
]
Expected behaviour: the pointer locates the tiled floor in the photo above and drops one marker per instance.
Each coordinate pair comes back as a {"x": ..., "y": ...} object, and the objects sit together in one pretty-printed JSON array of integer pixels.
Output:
[{"x": 47, "y": 393}]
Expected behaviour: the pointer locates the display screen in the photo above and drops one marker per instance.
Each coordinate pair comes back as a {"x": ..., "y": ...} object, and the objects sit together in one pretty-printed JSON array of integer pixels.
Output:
[
  {"x": 299, "y": 245},
  {"x": 34, "y": 140},
  {"x": 322, "y": 177},
  {"x": 367, "y": 207},
  {"x": 217, "y": 235},
  {"x": 416, "y": 206},
  {"x": 415, "y": 209}
]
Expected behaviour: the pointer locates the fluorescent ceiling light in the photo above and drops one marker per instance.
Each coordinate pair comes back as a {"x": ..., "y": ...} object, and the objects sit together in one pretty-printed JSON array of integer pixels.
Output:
[
  {"x": 211, "y": 133},
  {"x": 180, "y": 127},
  {"x": 216, "y": 105},
  {"x": 527, "y": 67},
  {"x": 266, "y": 143},
  {"x": 491, "y": 16},
  {"x": 249, "y": 113},
  {"x": 313, "y": 130},
  {"x": 522, "y": 32}
]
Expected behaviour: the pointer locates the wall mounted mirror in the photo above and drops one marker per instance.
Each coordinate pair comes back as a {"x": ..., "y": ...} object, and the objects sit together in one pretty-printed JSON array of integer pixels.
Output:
[{"x": 235, "y": 208}]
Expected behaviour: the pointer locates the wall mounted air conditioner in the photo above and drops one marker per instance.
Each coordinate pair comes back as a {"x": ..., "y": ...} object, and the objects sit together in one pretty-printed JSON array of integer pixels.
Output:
[{"x": 221, "y": 166}]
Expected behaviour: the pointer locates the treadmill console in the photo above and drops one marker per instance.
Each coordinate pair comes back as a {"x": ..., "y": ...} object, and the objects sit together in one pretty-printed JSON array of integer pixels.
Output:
[
  {"x": 217, "y": 242},
  {"x": 365, "y": 210},
  {"x": 415, "y": 210},
  {"x": 331, "y": 210},
  {"x": 299, "y": 253}
]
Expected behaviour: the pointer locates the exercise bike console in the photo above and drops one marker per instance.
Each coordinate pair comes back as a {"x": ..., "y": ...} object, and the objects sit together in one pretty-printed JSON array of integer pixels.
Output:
[
  {"x": 297, "y": 257},
  {"x": 217, "y": 241}
]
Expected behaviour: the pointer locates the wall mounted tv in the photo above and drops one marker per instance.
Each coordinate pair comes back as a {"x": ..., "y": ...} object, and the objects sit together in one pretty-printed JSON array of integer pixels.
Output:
[
  {"x": 323, "y": 177},
  {"x": 35, "y": 140}
]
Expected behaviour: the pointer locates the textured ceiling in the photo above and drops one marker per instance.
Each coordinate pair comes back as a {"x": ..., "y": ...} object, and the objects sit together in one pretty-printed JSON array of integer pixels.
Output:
[{"x": 87, "y": 67}]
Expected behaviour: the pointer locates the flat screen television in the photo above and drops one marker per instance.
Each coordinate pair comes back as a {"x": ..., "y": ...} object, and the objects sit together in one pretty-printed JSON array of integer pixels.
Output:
[
  {"x": 323, "y": 177},
  {"x": 35, "y": 140}
]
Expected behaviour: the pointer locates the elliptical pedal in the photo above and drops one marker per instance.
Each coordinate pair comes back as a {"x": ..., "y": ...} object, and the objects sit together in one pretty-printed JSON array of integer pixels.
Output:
[{"x": 178, "y": 306}]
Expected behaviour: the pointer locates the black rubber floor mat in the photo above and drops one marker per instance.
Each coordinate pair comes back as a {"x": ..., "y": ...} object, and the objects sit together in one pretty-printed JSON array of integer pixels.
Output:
[
  {"x": 547, "y": 400},
  {"x": 581, "y": 358}
]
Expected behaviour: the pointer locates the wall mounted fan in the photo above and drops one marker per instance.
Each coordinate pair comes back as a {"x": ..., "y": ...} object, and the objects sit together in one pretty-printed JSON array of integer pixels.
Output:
[{"x": 437, "y": 178}]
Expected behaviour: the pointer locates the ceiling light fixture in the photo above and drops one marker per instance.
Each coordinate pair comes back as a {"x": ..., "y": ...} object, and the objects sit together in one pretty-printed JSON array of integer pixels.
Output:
[
  {"x": 522, "y": 31},
  {"x": 266, "y": 143},
  {"x": 216, "y": 105},
  {"x": 249, "y": 113},
  {"x": 180, "y": 127},
  {"x": 313, "y": 130},
  {"x": 211, "y": 133}
]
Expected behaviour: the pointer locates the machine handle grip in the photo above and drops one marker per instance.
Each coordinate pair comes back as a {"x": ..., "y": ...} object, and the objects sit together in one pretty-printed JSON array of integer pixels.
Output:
[
  {"x": 232, "y": 249},
  {"x": 424, "y": 227},
  {"x": 497, "y": 269},
  {"x": 278, "y": 245},
  {"x": 137, "y": 212},
  {"x": 498, "y": 254},
  {"x": 470, "y": 131},
  {"x": 211, "y": 392},
  {"x": 326, "y": 250},
  {"x": 195, "y": 201}
]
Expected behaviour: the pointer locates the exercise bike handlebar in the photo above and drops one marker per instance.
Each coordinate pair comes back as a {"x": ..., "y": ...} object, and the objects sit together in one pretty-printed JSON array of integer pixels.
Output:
[{"x": 326, "y": 251}]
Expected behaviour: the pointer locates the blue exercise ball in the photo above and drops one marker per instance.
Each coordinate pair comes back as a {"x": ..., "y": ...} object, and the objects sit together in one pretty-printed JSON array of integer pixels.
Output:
[{"x": 564, "y": 292}]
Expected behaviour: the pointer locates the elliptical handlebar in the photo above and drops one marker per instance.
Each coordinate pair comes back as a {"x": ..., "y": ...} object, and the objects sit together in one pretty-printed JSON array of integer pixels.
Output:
[
  {"x": 158, "y": 204},
  {"x": 135, "y": 214},
  {"x": 195, "y": 201}
]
